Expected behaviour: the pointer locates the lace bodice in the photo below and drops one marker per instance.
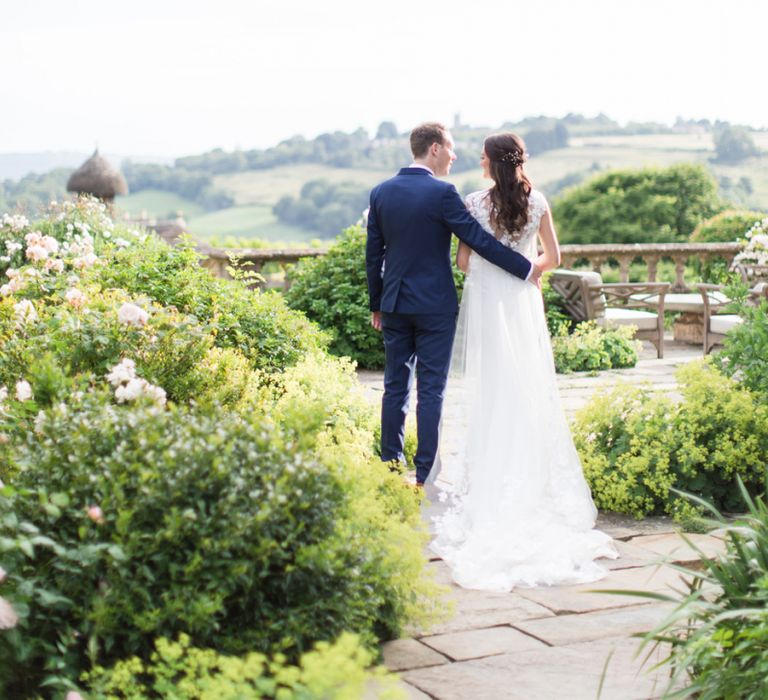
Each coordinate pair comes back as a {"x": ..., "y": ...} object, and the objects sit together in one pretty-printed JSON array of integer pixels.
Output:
[{"x": 523, "y": 241}]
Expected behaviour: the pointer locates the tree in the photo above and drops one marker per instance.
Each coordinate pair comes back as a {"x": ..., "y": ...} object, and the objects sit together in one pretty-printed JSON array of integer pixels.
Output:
[
  {"x": 651, "y": 205},
  {"x": 387, "y": 130},
  {"x": 734, "y": 144}
]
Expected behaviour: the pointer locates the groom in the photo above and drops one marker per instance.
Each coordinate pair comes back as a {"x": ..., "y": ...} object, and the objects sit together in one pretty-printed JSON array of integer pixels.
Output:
[{"x": 410, "y": 285}]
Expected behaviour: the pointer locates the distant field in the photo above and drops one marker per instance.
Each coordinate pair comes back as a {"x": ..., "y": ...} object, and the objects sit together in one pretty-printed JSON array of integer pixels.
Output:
[
  {"x": 267, "y": 186},
  {"x": 256, "y": 221},
  {"x": 157, "y": 204}
]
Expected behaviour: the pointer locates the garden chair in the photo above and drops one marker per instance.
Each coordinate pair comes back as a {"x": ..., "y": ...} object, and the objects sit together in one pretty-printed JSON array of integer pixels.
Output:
[
  {"x": 641, "y": 304},
  {"x": 717, "y": 321},
  {"x": 752, "y": 273}
]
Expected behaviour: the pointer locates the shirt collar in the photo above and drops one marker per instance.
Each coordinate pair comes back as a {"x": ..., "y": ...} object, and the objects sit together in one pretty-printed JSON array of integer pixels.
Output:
[{"x": 423, "y": 167}]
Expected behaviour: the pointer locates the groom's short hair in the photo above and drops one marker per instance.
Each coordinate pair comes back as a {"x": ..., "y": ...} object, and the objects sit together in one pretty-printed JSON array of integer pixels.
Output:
[{"x": 424, "y": 135}]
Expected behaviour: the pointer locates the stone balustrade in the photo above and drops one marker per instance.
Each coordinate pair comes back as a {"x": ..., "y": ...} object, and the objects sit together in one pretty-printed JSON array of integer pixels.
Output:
[
  {"x": 594, "y": 255},
  {"x": 597, "y": 255},
  {"x": 254, "y": 260}
]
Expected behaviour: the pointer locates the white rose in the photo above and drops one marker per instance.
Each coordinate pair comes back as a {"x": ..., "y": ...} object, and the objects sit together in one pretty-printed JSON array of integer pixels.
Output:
[
  {"x": 3, "y": 394},
  {"x": 87, "y": 260},
  {"x": 156, "y": 393},
  {"x": 76, "y": 298},
  {"x": 36, "y": 253},
  {"x": 8, "y": 616},
  {"x": 56, "y": 265},
  {"x": 24, "y": 312},
  {"x": 11, "y": 273},
  {"x": 34, "y": 238},
  {"x": 50, "y": 244},
  {"x": 16, "y": 223},
  {"x": 130, "y": 391},
  {"x": 132, "y": 315},
  {"x": 23, "y": 390},
  {"x": 122, "y": 372}
]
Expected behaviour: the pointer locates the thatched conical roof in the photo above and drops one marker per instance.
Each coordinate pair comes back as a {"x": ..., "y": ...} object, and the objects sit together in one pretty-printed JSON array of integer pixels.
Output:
[{"x": 97, "y": 177}]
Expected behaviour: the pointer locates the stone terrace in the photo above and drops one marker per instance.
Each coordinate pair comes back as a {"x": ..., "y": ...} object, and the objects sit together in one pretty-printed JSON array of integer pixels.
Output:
[{"x": 559, "y": 642}]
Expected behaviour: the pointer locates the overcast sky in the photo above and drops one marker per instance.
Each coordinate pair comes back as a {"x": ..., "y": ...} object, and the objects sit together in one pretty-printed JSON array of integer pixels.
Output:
[{"x": 171, "y": 77}]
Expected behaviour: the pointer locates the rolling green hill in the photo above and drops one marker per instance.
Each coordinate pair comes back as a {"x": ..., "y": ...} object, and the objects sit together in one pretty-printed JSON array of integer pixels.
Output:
[{"x": 256, "y": 191}]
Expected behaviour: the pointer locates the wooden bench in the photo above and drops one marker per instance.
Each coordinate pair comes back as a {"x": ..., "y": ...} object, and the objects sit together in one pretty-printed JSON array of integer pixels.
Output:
[{"x": 641, "y": 304}]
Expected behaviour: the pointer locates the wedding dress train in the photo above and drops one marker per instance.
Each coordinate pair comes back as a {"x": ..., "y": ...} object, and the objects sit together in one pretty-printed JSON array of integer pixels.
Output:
[{"x": 519, "y": 510}]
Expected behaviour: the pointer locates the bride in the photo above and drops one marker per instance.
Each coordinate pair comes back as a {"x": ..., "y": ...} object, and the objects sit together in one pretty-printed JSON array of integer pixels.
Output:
[{"x": 520, "y": 512}]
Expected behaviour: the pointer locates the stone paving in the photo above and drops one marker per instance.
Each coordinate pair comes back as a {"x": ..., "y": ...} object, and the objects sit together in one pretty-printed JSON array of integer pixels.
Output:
[{"x": 564, "y": 642}]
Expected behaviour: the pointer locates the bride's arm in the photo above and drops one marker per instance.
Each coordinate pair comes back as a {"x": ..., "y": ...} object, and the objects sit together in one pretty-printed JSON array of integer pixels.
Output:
[
  {"x": 462, "y": 256},
  {"x": 550, "y": 258}
]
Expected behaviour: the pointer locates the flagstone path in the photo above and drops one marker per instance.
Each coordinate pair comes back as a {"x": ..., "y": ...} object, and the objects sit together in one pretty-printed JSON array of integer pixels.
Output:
[{"x": 562, "y": 642}]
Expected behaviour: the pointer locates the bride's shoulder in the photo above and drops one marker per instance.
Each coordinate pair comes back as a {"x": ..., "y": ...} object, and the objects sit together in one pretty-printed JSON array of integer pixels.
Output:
[
  {"x": 474, "y": 200},
  {"x": 537, "y": 200},
  {"x": 476, "y": 196}
]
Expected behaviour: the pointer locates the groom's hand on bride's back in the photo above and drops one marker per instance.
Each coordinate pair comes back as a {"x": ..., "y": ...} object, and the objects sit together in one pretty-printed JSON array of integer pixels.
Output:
[{"x": 535, "y": 276}]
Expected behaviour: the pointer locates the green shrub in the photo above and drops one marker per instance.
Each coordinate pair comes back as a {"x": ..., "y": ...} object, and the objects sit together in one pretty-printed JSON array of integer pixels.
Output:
[
  {"x": 648, "y": 205},
  {"x": 591, "y": 348},
  {"x": 729, "y": 225},
  {"x": 243, "y": 535},
  {"x": 332, "y": 290},
  {"x": 718, "y": 628},
  {"x": 745, "y": 351},
  {"x": 258, "y": 324},
  {"x": 636, "y": 446},
  {"x": 72, "y": 230},
  {"x": 74, "y": 344},
  {"x": 558, "y": 320},
  {"x": 177, "y": 670}
]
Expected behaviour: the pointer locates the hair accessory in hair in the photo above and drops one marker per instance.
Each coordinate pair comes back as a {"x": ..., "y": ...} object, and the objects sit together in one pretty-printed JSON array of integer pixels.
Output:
[{"x": 513, "y": 158}]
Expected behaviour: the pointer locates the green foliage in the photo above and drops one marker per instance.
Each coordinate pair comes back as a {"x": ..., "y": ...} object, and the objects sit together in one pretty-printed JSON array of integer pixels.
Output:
[
  {"x": 591, "y": 348},
  {"x": 734, "y": 144},
  {"x": 258, "y": 324},
  {"x": 636, "y": 446},
  {"x": 638, "y": 206},
  {"x": 249, "y": 513},
  {"x": 718, "y": 628},
  {"x": 323, "y": 206},
  {"x": 729, "y": 225},
  {"x": 33, "y": 192},
  {"x": 745, "y": 351},
  {"x": 333, "y": 291},
  {"x": 245, "y": 535},
  {"x": 196, "y": 186},
  {"x": 178, "y": 670},
  {"x": 558, "y": 319}
]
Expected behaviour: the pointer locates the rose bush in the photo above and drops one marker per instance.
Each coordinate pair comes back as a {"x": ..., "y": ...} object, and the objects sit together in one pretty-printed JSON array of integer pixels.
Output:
[{"x": 180, "y": 456}]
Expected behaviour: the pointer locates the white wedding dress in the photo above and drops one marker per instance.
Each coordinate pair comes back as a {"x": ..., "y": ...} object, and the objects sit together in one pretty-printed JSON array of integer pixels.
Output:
[{"x": 519, "y": 512}]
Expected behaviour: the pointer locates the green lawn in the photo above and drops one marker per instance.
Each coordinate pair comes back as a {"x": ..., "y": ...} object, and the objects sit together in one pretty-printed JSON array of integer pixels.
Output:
[
  {"x": 157, "y": 204},
  {"x": 256, "y": 221}
]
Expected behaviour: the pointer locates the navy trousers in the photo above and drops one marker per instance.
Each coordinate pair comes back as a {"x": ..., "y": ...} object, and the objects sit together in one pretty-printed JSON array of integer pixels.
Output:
[{"x": 420, "y": 342}]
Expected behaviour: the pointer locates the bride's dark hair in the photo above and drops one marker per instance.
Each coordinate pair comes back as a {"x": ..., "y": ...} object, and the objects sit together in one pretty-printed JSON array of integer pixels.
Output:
[{"x": 511, "y": 186}]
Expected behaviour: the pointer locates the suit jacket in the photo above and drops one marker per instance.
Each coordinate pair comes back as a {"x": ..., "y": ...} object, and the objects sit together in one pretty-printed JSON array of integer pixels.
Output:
[{"x": 410, "y": 221}]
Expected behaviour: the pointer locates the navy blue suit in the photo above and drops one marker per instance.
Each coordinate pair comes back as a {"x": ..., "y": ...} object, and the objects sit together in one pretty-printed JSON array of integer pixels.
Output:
[{"x": 410, "y": 280}]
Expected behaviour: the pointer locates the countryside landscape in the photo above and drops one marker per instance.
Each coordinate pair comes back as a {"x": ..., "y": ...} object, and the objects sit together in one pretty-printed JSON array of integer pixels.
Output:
[{"x": 254, "y": 198}]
